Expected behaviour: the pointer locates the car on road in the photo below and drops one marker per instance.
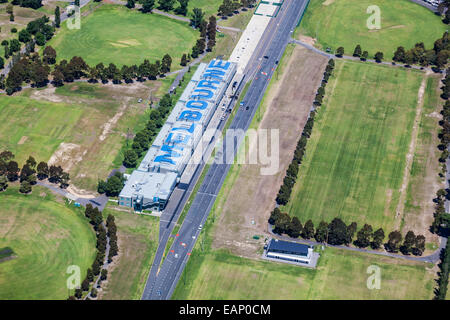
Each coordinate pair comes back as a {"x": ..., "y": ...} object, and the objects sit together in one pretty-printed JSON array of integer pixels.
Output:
[
  {"x": 246, "y": 108},
  {"x": 200, "y": 227}
]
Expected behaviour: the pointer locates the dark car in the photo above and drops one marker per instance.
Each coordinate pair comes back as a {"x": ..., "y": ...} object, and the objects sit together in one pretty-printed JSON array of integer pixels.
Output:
[{"x": 246, "y": 108}]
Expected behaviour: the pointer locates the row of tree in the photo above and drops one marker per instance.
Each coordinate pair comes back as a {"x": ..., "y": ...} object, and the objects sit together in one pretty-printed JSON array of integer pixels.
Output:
[
  {"x": 207, "y": 30},
  {"x": 143, "y": 138},
  {"x": 34, "y": 4},
  {"x": 37, "y": 72},
  {"x": 228, "y": 7},
  {"x": 29, "y": 173},
  {"x": 112, "y": 234},
  {"x": 444, "y": 8},
  {"x": 338, "y": 233},
  {"x": 437, "y": 56},
  {"x": 363, "y": 55},
  {"x": 441, "y": 290},
  {"x": 284, "y": 193},
  {"x": 96, "y": 219}
]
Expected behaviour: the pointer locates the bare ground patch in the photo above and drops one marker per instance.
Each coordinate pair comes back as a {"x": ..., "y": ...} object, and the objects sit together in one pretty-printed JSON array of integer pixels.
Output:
[{"x": 252, "y": 195}]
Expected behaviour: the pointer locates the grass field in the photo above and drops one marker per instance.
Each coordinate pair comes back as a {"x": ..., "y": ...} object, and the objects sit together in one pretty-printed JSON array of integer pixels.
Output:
[
  {"x": 355, "y": 159},
  {"x": 115, "y": 34},
  {"x": 138, "y": 241},
  {"x": 209, "y": 7},
  {"x": 424, "y": 180},
  {"x": 46, "y": 237},
  {"x": 80, "y": 126},
  {"x": 343, "y": 23},
  {"x": 339, "y": 275}
]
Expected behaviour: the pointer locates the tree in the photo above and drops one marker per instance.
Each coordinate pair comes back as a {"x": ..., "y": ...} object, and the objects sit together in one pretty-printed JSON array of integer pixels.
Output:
[
  {"x": 166, "y": 5},
  {"x": 12, "y": 171},
  {"x": 25, "y": 187},
  {"x": 49, "y": 55},
  {"x": 282, "y": 224},
  {"x": 2, "y": 63},
  {"x": 183, "y": 60},
  {"x": 85, "y": 285},
  {"x": 351, "y": 229},
  {"x": 130, "y": 4},
  {"x": 3, "y": 183},
  {"x": 378, "y": 238},
  {"x": 104, "y": 274},
  {"x": 114, "y": 185},
  {"x": 24, "y": 36},
  {"x": 9, "y": 8},
  {"x": 321, "y": 232},
  {"x": 357, "y": 52},
  {"x": 55, "y": 173},
  {"x": 379, "y": 57},
  {"x": 42, "y": 170},
  {"x": 78, "y": 293},
  {"x": 196, "y": 18},
  {"x": 295, "y": 228},
  {"x": 182, "y": 9},
  {"x": 147, "y": 6},
  {"x": 363, "y": 236},
  {"x": 308, "y": 230},
  {"x": 93, "y": 293},
  {"x": 364, "y": 55},
  {"x": 274, "y": 216},
  {"x": 399, "y": 55},
  {"x": 340, "y": 52},
  {"x": 393, "y": 244},
  {"x": 408, "y": 243},
  {"x": 337, "y": 232},
  {"x": 419, "y": 246},
  {"x": 130, "y": 158},
  {"x": 40, "y": 39},
  {"x": 57, "y": 17},
  {"x": 166, "y": 64},
  {"x": 96, "y": 268},
  {"x": 64, "y": 181}
]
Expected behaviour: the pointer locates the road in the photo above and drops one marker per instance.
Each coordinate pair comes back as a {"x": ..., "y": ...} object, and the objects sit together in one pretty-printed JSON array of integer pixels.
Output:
[{"x": 162, "y": 286}]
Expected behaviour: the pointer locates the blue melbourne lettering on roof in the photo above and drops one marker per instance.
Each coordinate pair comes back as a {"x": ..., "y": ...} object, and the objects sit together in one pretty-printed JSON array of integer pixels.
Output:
[
  {"x": 211, "y": 79},
  {"x": 281, "y": 246}
]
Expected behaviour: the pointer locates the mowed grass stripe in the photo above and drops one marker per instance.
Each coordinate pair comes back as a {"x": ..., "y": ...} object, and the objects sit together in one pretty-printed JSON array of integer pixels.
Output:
[
  {"x": 354, "y": 160},
  {"x": 46, "y": 237},
  {"x": 122, "y": 36}
]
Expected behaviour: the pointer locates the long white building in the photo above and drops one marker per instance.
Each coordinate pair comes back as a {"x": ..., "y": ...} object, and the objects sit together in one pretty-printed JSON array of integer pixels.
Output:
[{"x": 150, "y": 186}]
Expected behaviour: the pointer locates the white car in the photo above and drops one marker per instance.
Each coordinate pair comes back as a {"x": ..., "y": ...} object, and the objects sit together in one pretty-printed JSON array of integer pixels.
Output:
[{"x": 200, "y": 227}]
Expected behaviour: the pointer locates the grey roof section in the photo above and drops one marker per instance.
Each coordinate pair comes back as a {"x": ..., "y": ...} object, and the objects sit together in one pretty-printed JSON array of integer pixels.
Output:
[
  {"x": 288, "y": 247},
  {"x": 148, "y": 159},
  {"x": 149, "y": 185}
]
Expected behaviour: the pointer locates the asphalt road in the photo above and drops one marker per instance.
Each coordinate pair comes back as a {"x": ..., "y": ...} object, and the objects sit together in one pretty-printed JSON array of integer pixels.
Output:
[{"x": 161, "y": 287}]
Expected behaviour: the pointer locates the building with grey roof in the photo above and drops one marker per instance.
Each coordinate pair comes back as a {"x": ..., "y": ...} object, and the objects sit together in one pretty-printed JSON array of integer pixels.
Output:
[{"x": 151, "y": 185}]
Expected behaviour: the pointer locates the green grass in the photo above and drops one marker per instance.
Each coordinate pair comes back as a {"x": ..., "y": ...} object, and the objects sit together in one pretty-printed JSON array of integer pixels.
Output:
[
  {"x": 343, "y": 23},
  {"x": 115, "y": 34},
  {"x": 47, "y": 237},
  {"x": 209, "y": 7},
  {"x": 355, "y": 158},
  {"x": 340, "y": 275},
  {"x": 45, "y": 124},
  {"x": 138, "y": 241}
]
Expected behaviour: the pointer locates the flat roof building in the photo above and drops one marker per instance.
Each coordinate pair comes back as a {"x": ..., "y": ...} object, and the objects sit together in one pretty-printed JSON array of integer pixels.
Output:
[
  {"x": 164, "y": 163},
  {"x": 289, "y": 251}
]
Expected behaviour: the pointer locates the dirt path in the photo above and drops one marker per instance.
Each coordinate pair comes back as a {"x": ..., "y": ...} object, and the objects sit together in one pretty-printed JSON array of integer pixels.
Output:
[
  {"x": 248, "y": 199},
  {"x": 410, "y": 154}
]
